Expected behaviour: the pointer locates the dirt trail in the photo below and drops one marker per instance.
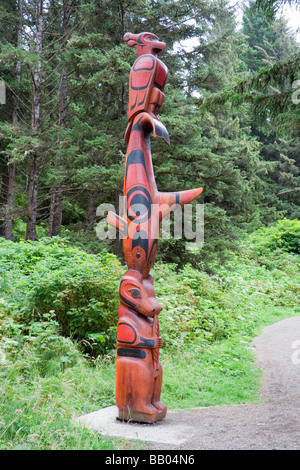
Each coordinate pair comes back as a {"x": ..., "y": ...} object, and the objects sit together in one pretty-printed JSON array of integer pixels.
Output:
[{"x": 272, "y": 424}]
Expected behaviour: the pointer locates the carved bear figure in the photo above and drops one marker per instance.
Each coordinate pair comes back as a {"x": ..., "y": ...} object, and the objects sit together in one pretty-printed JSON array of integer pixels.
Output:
[{"x": 138, "y": 371}]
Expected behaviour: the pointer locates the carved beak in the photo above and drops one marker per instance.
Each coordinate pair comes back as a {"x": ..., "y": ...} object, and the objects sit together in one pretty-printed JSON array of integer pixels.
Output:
[
  {"x": 154, "y": 45},
  {"x": 131, "y": 39}
]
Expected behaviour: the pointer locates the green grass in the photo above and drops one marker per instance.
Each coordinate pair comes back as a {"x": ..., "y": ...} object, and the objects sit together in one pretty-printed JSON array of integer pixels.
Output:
[
  {"x": 37, "y": 412},
  {"x": 221, "y": 374}
]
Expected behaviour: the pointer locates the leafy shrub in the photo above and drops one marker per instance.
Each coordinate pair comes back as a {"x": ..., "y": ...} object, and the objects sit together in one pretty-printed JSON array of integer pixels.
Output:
[
  {"x": 45, "y": 380},
  {"x": 193, "y": 306},
  {"x": 200, "y": 309},
  {"x": 80, "y": 289},
  {"x": 285, "y": 236},
  {"x": 39, "y": 349}
]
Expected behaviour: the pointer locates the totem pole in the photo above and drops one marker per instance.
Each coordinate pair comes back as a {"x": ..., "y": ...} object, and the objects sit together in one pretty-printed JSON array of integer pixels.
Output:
[{"x": 138, "y": 371}]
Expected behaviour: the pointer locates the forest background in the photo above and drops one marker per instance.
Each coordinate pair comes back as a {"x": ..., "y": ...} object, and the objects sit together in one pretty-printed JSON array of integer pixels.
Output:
[{"x": 232, "y": 111}]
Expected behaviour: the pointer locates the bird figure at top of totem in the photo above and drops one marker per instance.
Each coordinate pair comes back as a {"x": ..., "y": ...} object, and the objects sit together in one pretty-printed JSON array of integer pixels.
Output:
[{"x": 145, "y": 206}]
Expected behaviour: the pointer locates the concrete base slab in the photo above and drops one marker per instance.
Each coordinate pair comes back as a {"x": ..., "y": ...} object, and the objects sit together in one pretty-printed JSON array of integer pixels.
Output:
[{"x": 165, "y": 431}]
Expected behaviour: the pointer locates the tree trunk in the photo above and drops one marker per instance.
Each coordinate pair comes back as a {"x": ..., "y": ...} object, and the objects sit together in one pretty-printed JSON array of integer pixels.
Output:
[
  {"x": 15, "y": 117},
  {"x": 33, "y": 198},
  {"x": 91, "y": 210},
  {"x": 3, "y": 199},
  {"x": 15, "y": 120},
  {"x": 36, "y": 109},
  {"x": 55, "y": 216},
  {"x": 63, "y": 91},
  {"x": 10, "y": 201},
  {"x": 35, "y": 124}
]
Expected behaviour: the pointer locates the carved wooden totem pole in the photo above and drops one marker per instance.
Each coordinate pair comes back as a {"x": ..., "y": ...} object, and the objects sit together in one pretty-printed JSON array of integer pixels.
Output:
[{"x": 138, "y": 371}]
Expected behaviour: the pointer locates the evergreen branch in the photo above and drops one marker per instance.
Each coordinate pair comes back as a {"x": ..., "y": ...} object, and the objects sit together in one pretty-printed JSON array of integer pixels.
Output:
[
  {"x": 247, "y": 90},
  {"x": 17, "y": 96},
  {"x": 271, "y": 7},
  {"x": 288, "y": 191}
]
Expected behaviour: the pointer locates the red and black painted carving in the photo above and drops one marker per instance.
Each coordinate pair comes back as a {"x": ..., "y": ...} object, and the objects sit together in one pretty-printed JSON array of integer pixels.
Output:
[{"x": 138, "y": 371}]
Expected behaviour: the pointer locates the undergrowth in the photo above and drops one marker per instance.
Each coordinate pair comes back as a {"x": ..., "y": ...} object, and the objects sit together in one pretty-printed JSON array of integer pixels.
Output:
[{"x": 58, "y": 316}]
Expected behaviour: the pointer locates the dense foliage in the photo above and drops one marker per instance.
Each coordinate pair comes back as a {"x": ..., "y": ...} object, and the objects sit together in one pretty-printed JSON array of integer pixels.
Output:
[{"x": 48, "y": 279}]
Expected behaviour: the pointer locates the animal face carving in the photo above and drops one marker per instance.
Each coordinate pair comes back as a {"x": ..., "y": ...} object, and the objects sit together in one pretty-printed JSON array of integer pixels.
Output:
[
  {"x": 147, "y": 43},
  {"x": 138, "y": 294}
]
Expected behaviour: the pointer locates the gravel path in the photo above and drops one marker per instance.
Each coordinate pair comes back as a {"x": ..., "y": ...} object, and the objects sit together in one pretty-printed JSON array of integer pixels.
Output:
[{"x": 272, "y": 424}]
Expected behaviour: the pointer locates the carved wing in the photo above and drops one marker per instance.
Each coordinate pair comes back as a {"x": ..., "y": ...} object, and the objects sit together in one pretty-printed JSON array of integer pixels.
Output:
[{"x": 141, "y": 82}]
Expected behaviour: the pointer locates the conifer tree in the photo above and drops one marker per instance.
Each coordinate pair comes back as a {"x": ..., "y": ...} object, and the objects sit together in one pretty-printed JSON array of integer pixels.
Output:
[
  {"x": 68, "y": 150},
  {"x": 270, "y": 41}
]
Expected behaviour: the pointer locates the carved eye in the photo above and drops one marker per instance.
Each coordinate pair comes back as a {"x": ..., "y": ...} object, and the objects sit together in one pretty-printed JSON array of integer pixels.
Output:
[
  {"x": 150, "y": 38},
  {"x": 135, "y": 293}
]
